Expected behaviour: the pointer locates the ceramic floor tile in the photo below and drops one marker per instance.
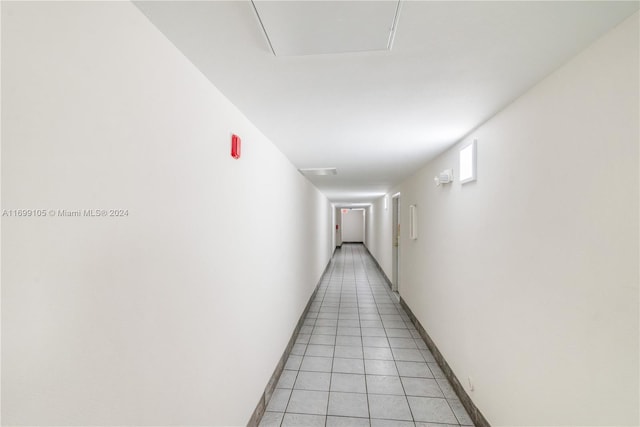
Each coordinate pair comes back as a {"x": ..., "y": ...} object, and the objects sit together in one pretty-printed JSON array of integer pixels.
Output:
[
  {"x": 348, "y": 404},
  {"x": 380, "y": 367},
  {"x": 348, "y": 383},
  {"x": 415, "y": 334},
  {"x": 446, "y": 388},
  {"x": 349, "y": 340},
  {"x": 293, "y": 363},
  {"x": 435, "y": 369},
  {"x": 298, "y": 349},
  {"x": 427, "y": 409},
  {"x": 425, "y": 387},
  {"x": 389, "y": 407},
  {"x": 426, "y": 354},
  {"x": 391, "y": 423},
  {"x": 402, "y": 343},
  {"x": 420, "y": 344},
  {"x": 398, "y": 333},
  {"x": 348, "y": 366},
  {"x": 378, "y": 353},
  {"x": 373, "y": 332},
  {"x": 407, "y": 354},
  {"x": 350, "y": 305},
  {"x": 317, "y": 364},
  {"x": 323, "y": 339},
  {"x": 297, "y": 420},
  {"x": 375, "y": 342},
  {"x": 370, "y": 324},
  {"x": 349, "y": 352},
  {"x": 287, "y": 379},
  {"x": 319, "y": 350},
  {"x": 308, "y": 402},
  {"x": 328, "y": 316},
  {"x": 413, "y": 369},
  {"x": 324, "y": 330},
  {"x": 384, "y": 384},
  {"x": 303, "y": 339},
  {"x": 333, "y": 421},
  {"x": 418, "y": 424},
  {"x": 374, "y": 317},
  {"x": 389, "y": 310},
  {"x": 390, "y": 317},
  {"x": 348, "y": 315},
  {"x": 279, "y": 400},
  {"x": 348, "y": 323},
  {"x": 326, "y": 323},
  {"x": 349, "y": 331},
  {"x": 271, "y": 419},
  {"x": 306, "y": 329},
  {"x": 318, "y": 381},
  {"x": 459, "y": 411},
  {"x": 394, "y": 324}
]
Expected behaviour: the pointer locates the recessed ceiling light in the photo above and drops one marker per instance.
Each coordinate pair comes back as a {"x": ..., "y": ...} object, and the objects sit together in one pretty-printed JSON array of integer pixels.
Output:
[{"x": 318, "y": 171}]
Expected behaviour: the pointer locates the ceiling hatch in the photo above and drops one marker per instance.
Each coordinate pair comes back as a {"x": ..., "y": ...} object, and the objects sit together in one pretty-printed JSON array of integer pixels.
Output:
[{"x": 296, "y": 28}]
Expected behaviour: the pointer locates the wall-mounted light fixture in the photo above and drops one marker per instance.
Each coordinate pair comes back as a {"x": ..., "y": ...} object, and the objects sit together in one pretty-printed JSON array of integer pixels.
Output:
[
  {"x": 386, "y": 202},
  {"x": 444, "y": 177},
  {"x": 468, "y": 162},
  {"x": 413, "y": 222}
]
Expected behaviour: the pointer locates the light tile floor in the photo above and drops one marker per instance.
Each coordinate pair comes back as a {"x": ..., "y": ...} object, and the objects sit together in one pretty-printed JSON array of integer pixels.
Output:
[{"x": 358, "y": 360}]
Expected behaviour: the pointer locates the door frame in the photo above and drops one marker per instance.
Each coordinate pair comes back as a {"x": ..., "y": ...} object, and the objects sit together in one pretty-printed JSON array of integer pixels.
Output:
[{"x": 395, "y": 241}]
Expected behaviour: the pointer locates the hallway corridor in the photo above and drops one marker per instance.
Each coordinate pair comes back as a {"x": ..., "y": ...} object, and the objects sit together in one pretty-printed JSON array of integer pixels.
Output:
[{"x": 358, "y": 360}]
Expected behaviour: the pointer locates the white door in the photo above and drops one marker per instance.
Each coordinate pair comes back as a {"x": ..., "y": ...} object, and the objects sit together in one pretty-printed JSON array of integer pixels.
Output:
[{"x": 353, "y": 225}]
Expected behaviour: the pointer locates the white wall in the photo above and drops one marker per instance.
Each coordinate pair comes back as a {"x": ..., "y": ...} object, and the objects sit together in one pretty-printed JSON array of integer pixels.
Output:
[
  {"x": 380, "y": 234},
  {"x": 527, "y": 280},
  {"x": 177, "y": 313},
  {"x": 367, "y": 225},
  {"x": 353, "y": 225}
]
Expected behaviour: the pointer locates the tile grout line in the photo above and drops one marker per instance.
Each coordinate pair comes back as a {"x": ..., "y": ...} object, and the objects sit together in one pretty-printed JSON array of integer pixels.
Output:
[{"x": 364, "y": 366}]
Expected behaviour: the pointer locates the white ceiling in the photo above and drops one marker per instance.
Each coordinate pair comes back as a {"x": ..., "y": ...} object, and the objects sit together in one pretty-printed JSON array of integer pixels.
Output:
[
  {"x": 378, "y": 116},
  {"x": 326, "y": 27}
]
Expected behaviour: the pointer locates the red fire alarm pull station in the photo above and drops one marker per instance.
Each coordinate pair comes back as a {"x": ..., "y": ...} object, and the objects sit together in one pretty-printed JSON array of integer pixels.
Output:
[{"x": 235, "y": 146}]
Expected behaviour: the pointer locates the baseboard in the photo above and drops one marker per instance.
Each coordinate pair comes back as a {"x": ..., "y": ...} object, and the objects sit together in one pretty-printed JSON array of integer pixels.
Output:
[
  {"x": 384, "y": 275},
  {"x": 273, "y": 381},
  {"x": 476, "y": 416}
]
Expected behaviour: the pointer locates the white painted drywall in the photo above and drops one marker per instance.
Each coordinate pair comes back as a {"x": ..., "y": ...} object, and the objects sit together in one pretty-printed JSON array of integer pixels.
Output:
[
  {"x": 353, "y": 225},
  {"x": 380, "y": 234},
  {"x": 527, "y": 280},
  {"x": 367, "y": 225},
  {"x": 178, "y": 313}
]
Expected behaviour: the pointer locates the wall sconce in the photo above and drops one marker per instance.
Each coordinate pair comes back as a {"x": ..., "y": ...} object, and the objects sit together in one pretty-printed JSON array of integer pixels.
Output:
[
  {"x": 468, "y": 162},
  {"x": 444, "y": 177},
  {"x": 413, "y": 222}
]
